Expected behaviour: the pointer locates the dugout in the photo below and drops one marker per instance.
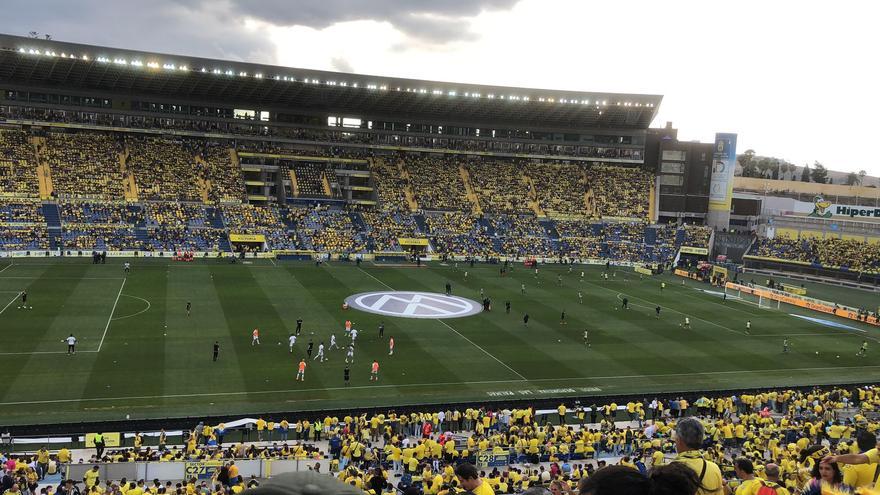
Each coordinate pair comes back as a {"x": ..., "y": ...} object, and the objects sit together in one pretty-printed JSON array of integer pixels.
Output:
[
  {"x": 415, "y": 246},
  {"x": 247, "y": 242}
]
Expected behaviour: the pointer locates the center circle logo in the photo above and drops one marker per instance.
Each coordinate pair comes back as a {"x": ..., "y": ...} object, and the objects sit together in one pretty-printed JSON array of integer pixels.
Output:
[{"x": 406, "y": 304}]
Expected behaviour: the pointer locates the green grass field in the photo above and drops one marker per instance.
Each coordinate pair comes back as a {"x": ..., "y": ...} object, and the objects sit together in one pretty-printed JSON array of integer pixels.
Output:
[{"x": 140, "y": 355}]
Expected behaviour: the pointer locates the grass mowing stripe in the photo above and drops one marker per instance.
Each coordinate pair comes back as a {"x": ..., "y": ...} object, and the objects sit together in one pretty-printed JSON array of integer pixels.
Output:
[
  {"x": 110, "y": 318},
  {"x": 437, "y": 384},
  {"x": 502, "y": 363}
]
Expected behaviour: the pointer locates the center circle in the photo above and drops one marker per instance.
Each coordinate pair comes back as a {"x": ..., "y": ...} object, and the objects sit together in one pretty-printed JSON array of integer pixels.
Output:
[{"x": 410, "y": 304}]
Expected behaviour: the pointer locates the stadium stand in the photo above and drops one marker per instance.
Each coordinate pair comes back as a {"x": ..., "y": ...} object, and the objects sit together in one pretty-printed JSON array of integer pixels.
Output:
[
  {"x": 560, "y": 188},
  {"x": 619, "y": 192},
  {"x": 777, "y": 430},
  {"x": 501, "y": 187},
  {"x": 225, "y": 179},
  {"x": 436, "y": 182},
  {"x": 164, "y": 169},
  {"x": 84, "y": 165},
  {"x": 847, "y": 254},
  {"x": 18, "y": 164}
]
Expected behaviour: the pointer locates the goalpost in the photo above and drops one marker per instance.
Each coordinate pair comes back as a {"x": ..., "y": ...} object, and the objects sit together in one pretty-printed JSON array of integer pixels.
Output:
[{"x": 755, "y": 300}]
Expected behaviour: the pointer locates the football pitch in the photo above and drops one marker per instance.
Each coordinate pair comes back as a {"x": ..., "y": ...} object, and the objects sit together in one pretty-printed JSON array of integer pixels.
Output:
[{"x": 139, "y": 354}]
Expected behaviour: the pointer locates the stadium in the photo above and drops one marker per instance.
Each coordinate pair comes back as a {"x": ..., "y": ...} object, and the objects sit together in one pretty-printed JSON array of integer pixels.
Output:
[{"x": 205, "y": 261}]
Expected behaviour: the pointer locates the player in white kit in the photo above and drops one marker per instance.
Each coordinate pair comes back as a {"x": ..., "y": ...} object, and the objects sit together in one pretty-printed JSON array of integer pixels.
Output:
[
  {"x": 333, "y": 342},
  {"x": 320, "y": 354},
  {"x": 349, "y": 356},
  {"x": 291, "y": 342}
]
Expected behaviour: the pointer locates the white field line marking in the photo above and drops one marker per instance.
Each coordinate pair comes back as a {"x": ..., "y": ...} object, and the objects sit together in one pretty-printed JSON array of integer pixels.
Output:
[
  {"x": 683, "y": 314},
  {"x": 7, "y": 267},
  {"x": 110, "y": 318},
  {"x": 149, "y": 305},
  {"x": 62, "y": 278},
  {"x": 10, "y": 303},
  {"x": 29, "y": 353},
  {"x": 436, "y": 384},
  {"x": 502, "y": 363}
]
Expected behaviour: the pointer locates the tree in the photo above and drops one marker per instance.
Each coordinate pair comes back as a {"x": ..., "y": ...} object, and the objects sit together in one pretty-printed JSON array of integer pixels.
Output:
[
  {"x": 819, "y": 173},
  {"x": 805, "y": 175},
  {"x": 862, "y": 175},
  {"x": 745, "y": 161},
  {"x": 853, "y": 179}
]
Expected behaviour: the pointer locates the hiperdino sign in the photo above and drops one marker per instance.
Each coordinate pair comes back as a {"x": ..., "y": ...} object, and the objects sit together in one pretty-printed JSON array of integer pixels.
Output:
[{"x": 821, "y": 208}]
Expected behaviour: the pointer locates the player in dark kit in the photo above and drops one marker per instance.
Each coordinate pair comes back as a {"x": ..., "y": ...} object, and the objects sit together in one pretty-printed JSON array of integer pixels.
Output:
[
  {"x": 23, "y": 295},
  {"x": 311, "y": 346},
  {"x": 448, "y": 288},
  {"x": 507, "y": 307},
  {"x": 381, "y": 329},
  {"x": 625, "y": 303},
  {"x": 189, "y": 306},
  {"x": 299, "y": 326},
  {"x": 526, "y": 319},
  {"x": 346, "y": 375},
  {"x": 657, "y": 309},
  {"x": 216, "y": 350}
]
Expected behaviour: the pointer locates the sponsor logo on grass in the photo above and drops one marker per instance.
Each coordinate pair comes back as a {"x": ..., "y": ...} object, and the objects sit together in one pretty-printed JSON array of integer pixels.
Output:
[{"x": 406, "y": 304}]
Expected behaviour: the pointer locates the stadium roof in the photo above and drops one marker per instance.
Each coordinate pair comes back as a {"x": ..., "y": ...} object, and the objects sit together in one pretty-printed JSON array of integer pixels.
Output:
[{"x": 48, "y": 64}]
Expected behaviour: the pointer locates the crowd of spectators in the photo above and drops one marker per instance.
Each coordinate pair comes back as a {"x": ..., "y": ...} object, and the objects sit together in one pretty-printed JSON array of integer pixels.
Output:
[
  {"x": 696, "y": 235},
  {"x": 560, "y": 188},
  {"x": 18, "y": 164},
  {"x": 619, "y": 192},
  {"x": 390, "y": 185},
  {"x": 84, "y": 165},
  {"x": 164, "y": 168},
  {"x": 99, "y": 237},
  {"x": 386, "y": 226},
  {"x": 457, "y": 233},
  {"x": 832, "y": 252},
  {"x": 775, "y": 437},
  {"x": 103, "y": 213},
  {"x": 501, "y": 187},
  {"x": 226, "y": 184},
  {"x": 327, "y": 229},
  {"x": 436, "y": 183}
]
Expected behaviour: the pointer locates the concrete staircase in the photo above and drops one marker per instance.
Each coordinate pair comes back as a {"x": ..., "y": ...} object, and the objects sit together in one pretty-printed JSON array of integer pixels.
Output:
[
  {"x": 469, "y": 189},
  {"x": 53, "y": 224},
  {"x": 202, "y": 184},
  {"x": 549, "y": 228}
]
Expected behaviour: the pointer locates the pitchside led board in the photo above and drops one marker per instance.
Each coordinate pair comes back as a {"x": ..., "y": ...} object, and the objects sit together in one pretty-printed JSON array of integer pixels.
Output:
[{"x": 723, "y": 166}]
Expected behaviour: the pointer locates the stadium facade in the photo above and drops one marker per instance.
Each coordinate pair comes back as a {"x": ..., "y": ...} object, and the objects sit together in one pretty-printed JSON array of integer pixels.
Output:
[{"x": 257, "y": 103}]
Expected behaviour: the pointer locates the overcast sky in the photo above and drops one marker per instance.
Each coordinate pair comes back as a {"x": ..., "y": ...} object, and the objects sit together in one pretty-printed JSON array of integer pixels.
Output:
[{"x": 795, "y": 79}]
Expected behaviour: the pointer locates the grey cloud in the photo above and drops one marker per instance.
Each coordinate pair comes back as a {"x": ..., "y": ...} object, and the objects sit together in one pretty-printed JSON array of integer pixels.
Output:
[
  {"x": 167, "y": 26},
  {"x": 438, "y": 21},
  {"x": 340, "y": 64}
]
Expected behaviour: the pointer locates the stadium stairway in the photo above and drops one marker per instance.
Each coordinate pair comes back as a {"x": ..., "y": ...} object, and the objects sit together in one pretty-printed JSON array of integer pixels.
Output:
[
  {"x": 421, "y": 223},
  {"x": 215, "y": 217},
  {"x": 549, "y": 227},
  {"x": 650, "y": 236},
  {"x": 53, "y": 224},
  {"x": 486, "y": 224},
  {"x": 358, "y": 221},
  {"x": 679, "y": 237}
]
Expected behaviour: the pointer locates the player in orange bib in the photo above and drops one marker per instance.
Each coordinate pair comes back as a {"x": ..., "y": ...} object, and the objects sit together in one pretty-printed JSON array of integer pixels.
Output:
[
  {"x": 347, "y": 325},
  {"x": 301, "y": 374},
  {"x": 374, "y": 371},
  {"x": 391, "y": 347},
  {"x": 255, "y": 339}
]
